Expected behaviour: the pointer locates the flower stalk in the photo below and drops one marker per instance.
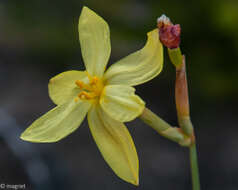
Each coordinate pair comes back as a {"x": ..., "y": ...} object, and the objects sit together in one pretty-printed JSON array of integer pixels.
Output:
[
  {"x": 194, "y": 167},
  {"x": 170, "y": 37},
  {"x": 183, "y": 113},
  {"x": 182, "y": 105},
  {"x": 164, "y": 129}
]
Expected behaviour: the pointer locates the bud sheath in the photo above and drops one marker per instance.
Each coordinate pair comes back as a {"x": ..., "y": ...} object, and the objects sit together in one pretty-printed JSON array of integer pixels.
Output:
[{"x": 181, "y": 99}]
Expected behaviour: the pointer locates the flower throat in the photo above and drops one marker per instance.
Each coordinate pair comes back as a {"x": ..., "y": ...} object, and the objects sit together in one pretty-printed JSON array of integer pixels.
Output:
[{"x": 91, "y": 90}]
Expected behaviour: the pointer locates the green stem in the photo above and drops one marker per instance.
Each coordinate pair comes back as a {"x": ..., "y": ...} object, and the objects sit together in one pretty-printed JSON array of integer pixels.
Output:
[
  {"x": 194, "y": 167},
  {"x": 175, "y": 56},
  {"x": 186, "y": 125},
  {"x": 163, "y": 128},
  {"x": 182, "y": 105}
]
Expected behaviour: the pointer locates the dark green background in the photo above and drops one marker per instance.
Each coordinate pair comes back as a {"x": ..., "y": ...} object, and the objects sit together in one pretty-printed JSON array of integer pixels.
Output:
[{"x": 39, "y": 39}]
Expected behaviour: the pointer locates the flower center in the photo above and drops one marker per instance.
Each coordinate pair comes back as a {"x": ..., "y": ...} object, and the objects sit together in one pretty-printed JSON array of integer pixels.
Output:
[{"x": 91, "y": 90}]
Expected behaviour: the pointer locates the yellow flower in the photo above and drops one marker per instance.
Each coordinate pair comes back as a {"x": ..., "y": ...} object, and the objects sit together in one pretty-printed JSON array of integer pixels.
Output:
[{"x": 107, "y": 98}]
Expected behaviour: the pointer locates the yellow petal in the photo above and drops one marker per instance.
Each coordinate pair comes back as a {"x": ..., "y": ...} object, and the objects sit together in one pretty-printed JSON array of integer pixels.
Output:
[
  {"x": 138, "y": 67},
  {"x": 115, "y": 144},
  {"x": 62, "y": 87},
  {"x": 57, "y": 123},
  {"x": 94, "y": 36},
  {"x": 121, "y": 103}
]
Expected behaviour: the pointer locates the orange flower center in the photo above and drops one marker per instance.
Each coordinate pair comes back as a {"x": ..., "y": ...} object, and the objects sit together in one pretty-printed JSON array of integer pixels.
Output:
[{"x": 91, "y": 90}]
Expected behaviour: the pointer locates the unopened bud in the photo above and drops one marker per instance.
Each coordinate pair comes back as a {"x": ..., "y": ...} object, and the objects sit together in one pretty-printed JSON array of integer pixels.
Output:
[{"x": 169, "y": 33}]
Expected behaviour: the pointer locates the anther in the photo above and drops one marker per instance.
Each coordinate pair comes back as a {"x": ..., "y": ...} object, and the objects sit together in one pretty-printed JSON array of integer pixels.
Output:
[
  {"x": 86, "y": 95},
  {"x": 79, "y": 83},
  {"x": 76, "y": 99},
  {"x": 94, "y": 80}
]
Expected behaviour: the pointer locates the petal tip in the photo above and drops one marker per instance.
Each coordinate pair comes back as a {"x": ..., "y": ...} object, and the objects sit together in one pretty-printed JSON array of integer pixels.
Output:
[
  {"x": 84, "y": 14},
  {"x": 85, "y": 8},
  {"x": 136, "y": 182},
  {"x": 22, "y": 137},
  {"x": 51, "y": 81},
  {"x": 25, "y": 137},
  {"x": 33, "y": 140}
]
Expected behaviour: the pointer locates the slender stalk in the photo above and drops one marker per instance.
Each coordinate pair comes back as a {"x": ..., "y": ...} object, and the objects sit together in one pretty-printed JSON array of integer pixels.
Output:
[
  {"x": 183, "y": 113},
  {"x": 194, "y": 167},
  {"x": 169, "y": 35},
  {"x": 164, "y": 129},
  {"x": 182, "y": 105}
]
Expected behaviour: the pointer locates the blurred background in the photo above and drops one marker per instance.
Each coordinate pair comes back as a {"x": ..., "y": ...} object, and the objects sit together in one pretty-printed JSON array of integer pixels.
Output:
[{"x": 39, "y": 39}]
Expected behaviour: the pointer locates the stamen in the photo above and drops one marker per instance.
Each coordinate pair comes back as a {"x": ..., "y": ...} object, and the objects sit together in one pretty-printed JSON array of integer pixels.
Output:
[
  {"x": 86, "y": 95},
  {"x": 94, "y": 80},
  {"x": 76, "y": 99},
  {"x": 91, "y": 90},
  {"x": 79, "y": 83},
  {"x": 83, "y": 86}
]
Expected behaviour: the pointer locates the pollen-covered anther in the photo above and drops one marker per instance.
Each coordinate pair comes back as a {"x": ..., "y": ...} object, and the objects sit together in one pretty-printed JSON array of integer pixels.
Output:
[
  {"x": 76, "y": 99},
  {"x": 79, "y": 84},
  {"x": 86, "y": 95},
  {"x": 82, "y": 85},
  {"x": 94, "y": 80},
  {"x": 90, "y": 90}
]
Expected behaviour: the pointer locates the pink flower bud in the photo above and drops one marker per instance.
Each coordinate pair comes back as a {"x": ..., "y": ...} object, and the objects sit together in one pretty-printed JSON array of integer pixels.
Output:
[{"x": 169, "y": 34}]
